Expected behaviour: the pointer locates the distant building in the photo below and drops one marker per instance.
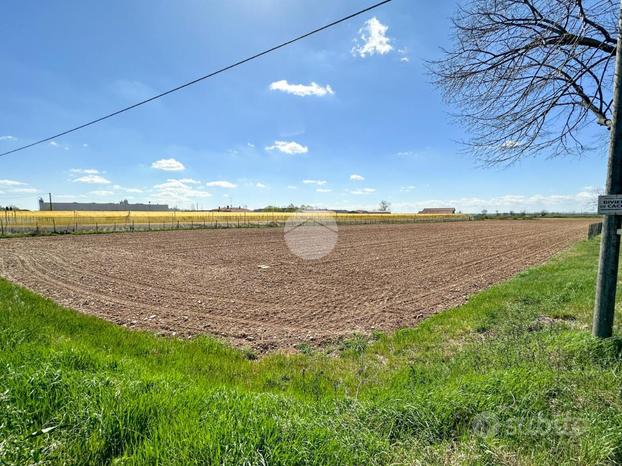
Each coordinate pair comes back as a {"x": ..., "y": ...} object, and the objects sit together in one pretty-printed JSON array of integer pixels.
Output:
[
  {"x": 96, "y": 206},
  {"x": 438, "y": 210}
]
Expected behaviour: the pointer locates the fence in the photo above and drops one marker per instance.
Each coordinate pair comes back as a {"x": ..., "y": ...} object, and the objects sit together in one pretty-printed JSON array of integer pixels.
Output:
[
  {"x": 594, "y": 229},
  {"x": 20, "y": 222}
]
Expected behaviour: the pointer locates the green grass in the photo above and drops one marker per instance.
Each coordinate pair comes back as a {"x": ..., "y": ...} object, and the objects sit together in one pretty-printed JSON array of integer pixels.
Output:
[{"x": 512, "y": 377}]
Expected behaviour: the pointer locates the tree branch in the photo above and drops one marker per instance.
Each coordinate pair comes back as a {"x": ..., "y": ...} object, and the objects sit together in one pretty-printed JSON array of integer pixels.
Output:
[{"x": 526, "y": 76}]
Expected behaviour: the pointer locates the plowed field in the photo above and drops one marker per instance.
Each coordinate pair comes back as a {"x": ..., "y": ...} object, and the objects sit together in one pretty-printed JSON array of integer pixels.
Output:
[{"x": 245, "y": 284}]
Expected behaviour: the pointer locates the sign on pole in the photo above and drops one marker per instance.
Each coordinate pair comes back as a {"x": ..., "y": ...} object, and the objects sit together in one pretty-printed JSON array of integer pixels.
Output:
[{"x": 610, "y": 204}]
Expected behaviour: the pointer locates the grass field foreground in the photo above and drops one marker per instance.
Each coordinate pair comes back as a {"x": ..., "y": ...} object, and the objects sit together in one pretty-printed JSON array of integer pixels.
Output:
[{"x": 511, "y": 377}]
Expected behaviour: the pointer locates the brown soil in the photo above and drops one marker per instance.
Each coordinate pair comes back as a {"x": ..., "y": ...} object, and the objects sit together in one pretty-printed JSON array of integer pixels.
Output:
[{"x": 215, "y": 281}]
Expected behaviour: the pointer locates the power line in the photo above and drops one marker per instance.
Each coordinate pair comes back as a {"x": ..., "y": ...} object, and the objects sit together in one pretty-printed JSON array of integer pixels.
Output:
[{"x": 190, "y": 83}]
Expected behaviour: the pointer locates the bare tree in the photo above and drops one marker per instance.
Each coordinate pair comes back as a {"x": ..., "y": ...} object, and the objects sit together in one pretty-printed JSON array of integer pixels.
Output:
[
  {"x": 527, "y": 75},
  {"x": 384, "y": 206}
]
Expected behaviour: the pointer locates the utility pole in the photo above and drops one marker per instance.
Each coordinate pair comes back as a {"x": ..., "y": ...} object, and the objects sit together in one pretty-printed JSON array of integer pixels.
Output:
[
  {"x": 50, "y": 195},
  {"x": 604, "y": 307}
]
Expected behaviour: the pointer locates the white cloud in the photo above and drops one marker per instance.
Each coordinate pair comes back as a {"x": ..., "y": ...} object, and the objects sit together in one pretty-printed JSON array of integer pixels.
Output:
[
  {"x": 17, "y": 187},
  {"x": 189, "y": 181},
  {"x": 178, "y": 191},
  {"x": 8, "y": 138},
  {"x": 173, "y": 184},
  {"x": 404, "y": 52},
  {"x": 169, "y": 165},
  {"x": 288, "y": 147},
  {"x": 221, "y": 184},
  {"x": 510, "y": 144},
  {"x": 24, "y": 190},
  {"x": 102, "y": 193},
  {"x": 92, "y": 179},
  {"x": 60, "y": 146},
  {"x": 317, "y": 182},
  {"x": 260, "y": 185},
  {"x": 127, "y": 190},
  {"x": 291, "y": 186},
  {"x": 11, "y": 183},
  {"x": 323, "y": 190},
  {"x": 301, "y": 90},
  {"x": 356, "y": 177},
  {"x": 251, "y": 145},
  {"x": 407, "y": 189},
  {"x": 363, "y": 191},
  {"x": 373, "y": 39},
  {"x": 86, "y": 171}
]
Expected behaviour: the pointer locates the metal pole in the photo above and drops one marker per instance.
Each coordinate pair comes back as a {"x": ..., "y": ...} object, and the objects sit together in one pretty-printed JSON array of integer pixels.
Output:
[
  {"x": 604, "y": 307},
  {"x": 50, "y": 195}
]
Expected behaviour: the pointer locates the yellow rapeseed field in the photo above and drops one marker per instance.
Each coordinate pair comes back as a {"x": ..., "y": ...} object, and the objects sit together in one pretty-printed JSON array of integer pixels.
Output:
[{"x": 25, "y": 221}]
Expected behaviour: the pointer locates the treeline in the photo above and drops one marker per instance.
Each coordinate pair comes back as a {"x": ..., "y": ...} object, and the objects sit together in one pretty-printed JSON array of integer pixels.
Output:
[
  {"x": 289, "y": 208},
  {"x": 523, "y": 214}
]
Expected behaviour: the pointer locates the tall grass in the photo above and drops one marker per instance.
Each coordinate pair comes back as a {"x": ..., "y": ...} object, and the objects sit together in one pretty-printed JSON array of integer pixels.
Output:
[{"x": 512, "y": 377}]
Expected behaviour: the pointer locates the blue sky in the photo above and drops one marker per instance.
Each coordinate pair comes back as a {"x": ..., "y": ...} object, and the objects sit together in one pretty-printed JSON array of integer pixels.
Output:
[{"x": 371, "y": 128}]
